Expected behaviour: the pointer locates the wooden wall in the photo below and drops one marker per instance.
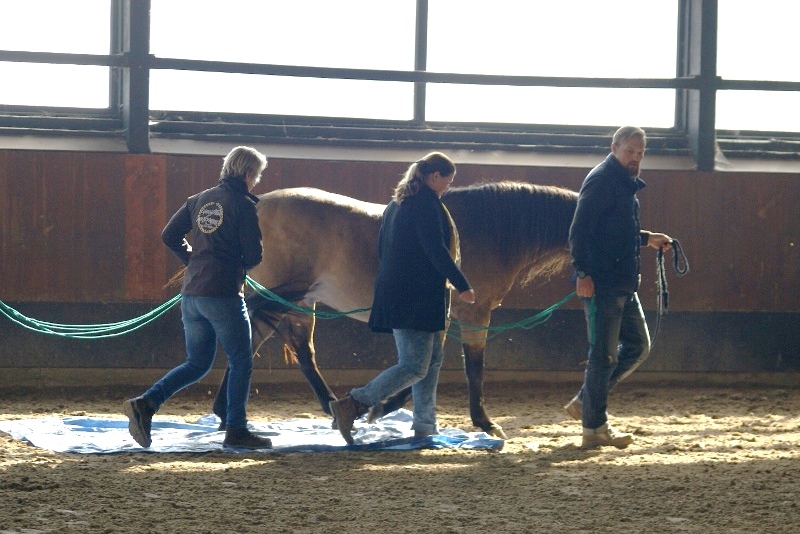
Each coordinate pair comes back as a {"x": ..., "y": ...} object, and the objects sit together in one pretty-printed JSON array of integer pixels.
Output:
[{"x": 80, "y": 227}]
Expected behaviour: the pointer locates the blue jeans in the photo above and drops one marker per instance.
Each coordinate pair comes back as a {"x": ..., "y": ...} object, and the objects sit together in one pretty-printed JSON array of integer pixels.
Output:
[
  {"x": 206, "y": 320},
  {"x": 619, "y": 344},
  {"x": 419, "y": 358}
]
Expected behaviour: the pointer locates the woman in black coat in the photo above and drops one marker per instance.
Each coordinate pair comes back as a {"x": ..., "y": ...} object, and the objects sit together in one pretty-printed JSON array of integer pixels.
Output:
[{"x": 418, "y": 249}]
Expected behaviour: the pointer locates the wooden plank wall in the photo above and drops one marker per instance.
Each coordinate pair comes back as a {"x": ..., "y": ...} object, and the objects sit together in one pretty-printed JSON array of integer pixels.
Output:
[{"x": 85, "y": 227}]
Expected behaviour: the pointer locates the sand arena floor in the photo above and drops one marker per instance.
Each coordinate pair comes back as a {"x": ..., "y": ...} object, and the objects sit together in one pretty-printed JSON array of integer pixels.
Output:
[{"x": 705, "y": 460}]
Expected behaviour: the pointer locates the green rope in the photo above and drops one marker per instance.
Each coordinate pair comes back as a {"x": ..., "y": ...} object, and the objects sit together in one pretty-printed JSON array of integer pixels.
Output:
[
  {"x": 106, "y": 330},
  {"x": 320, "y": 314},
  {"x": 87, "y": 331},
  {"x": 493, "y": 331},
  {"x": 527, "y": 323}
]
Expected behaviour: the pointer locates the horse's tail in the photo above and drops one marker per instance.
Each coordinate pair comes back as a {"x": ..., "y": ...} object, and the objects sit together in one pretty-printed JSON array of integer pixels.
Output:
[
  {"x": 271, "y": 312},
  {"x": 260, "y": 308},
  {"x": 176, "y": 279}
]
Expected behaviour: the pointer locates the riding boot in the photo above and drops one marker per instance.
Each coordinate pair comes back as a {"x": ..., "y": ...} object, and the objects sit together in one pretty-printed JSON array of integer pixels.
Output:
[
  {"x": 346, "y": 411},
  {"x": 140, "y": 413}
]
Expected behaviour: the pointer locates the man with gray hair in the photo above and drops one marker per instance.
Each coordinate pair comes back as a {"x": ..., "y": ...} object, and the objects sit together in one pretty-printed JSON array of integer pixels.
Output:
[{"x": 605, "y": 238}]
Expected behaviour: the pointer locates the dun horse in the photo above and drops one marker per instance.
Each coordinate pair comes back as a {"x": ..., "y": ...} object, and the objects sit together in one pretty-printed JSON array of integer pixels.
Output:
[{"x": 321, "y": 248}]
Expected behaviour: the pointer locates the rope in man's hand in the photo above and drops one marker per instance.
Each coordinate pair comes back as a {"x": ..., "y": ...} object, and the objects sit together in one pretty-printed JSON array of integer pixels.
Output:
[{"x": 681, "y": 266}]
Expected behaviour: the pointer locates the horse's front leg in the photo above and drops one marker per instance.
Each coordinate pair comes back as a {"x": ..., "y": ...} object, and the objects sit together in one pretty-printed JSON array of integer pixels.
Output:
[
  {"x": 474, "y": 345},
  {"x": 301, "y": 337},
  {"x": 473, "y": 366}
]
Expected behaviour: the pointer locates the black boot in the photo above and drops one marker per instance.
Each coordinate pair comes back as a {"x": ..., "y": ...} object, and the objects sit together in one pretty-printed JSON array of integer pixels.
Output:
[
  {"x": 346, "y": 411},
  {"x": 140, "y": 415},
  {"x": 242, "y": 438}
]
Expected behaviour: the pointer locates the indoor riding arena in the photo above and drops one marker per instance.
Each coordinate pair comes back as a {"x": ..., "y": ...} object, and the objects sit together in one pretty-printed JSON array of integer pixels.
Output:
[{"x": 114, "y": 112}]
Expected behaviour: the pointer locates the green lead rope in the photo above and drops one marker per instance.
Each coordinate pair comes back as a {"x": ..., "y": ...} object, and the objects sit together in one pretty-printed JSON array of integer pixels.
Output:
[
  {"x": 527, "y": 323},
  {"x": 87, "y": 331},
  {"x": 320, "y": 314},
  {"x": 107, "y": 330},
  {"x": 492, "y": 331}
]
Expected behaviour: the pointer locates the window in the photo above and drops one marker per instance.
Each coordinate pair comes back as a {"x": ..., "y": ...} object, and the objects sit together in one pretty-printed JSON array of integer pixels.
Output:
[
  {"x": 519, "y": 38},
  {"x": 315, "y": 33},
  {"x": 55, "y": 26},
  {"x": 551, "y": 105},
  {"x": 758, "y": 42},
  {"x": 493, "y": 75},
  {"x": 513, "y": 38}
]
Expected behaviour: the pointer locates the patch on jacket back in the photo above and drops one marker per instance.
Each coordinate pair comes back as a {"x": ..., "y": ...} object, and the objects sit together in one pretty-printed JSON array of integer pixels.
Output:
[{"x": 209, "y": 218}]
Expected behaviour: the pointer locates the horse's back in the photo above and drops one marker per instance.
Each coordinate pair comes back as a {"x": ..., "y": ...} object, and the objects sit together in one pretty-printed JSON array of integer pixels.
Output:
[{"x": 318, "y": 199}]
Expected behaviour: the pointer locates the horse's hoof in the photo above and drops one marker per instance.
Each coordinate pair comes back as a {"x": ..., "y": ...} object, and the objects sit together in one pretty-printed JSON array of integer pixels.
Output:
[
  {"x": 496, "y": 431},
  {"x": 334, "y": 424}
]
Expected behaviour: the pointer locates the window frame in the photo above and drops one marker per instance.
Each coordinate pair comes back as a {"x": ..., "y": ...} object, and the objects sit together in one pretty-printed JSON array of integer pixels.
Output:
[{"x": 128, "y": 116}]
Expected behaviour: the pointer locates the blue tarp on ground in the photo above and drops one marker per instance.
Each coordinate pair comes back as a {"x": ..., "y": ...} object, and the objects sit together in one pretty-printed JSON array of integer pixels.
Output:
[{"x": 93, "y": 435}]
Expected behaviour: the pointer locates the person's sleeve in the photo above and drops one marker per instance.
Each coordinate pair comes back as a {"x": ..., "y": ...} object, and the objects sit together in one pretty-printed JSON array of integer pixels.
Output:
[
  {"x": 174, "y": 234},
  {"x": 429, "y": 232},
  {"x": 250, "y": 237},
  {"x": 593, "y": 200},
  {"x": 644, "y": 236}
]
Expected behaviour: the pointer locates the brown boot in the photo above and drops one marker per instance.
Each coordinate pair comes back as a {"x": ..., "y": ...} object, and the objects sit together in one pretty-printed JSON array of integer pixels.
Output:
[
  {"x": 346, "y": 411},
  {"x": 140, "y": 415},
  {"x": 605, "y": 435}
]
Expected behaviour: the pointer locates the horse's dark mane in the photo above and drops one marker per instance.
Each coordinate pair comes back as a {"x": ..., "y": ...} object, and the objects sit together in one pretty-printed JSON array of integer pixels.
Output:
[{"x": 518, "y": 221}]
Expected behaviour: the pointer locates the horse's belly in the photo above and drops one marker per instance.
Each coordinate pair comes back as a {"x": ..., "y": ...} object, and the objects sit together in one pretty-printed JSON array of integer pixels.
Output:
[{"x": 344, "y": 295}]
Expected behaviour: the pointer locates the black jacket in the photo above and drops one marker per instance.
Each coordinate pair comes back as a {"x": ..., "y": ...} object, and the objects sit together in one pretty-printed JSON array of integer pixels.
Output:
[
  {"x": 410, "y": 291},
  {"x": 605, "y": 236},
  {"x": 225, "y": 239}
]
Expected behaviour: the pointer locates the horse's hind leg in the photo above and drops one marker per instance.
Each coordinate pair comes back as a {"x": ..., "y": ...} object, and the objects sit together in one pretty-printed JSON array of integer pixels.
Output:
[
  {"x": 395, "y": 402},
  {"x": 220, "y": 407},
  {"x": 301, "y": 337}
]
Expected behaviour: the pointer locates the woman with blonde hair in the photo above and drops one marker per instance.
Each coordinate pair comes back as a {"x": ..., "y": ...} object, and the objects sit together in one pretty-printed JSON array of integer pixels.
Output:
[
  {"x": 418, "y": 250},
  {"x": 222, "y": 225}
]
